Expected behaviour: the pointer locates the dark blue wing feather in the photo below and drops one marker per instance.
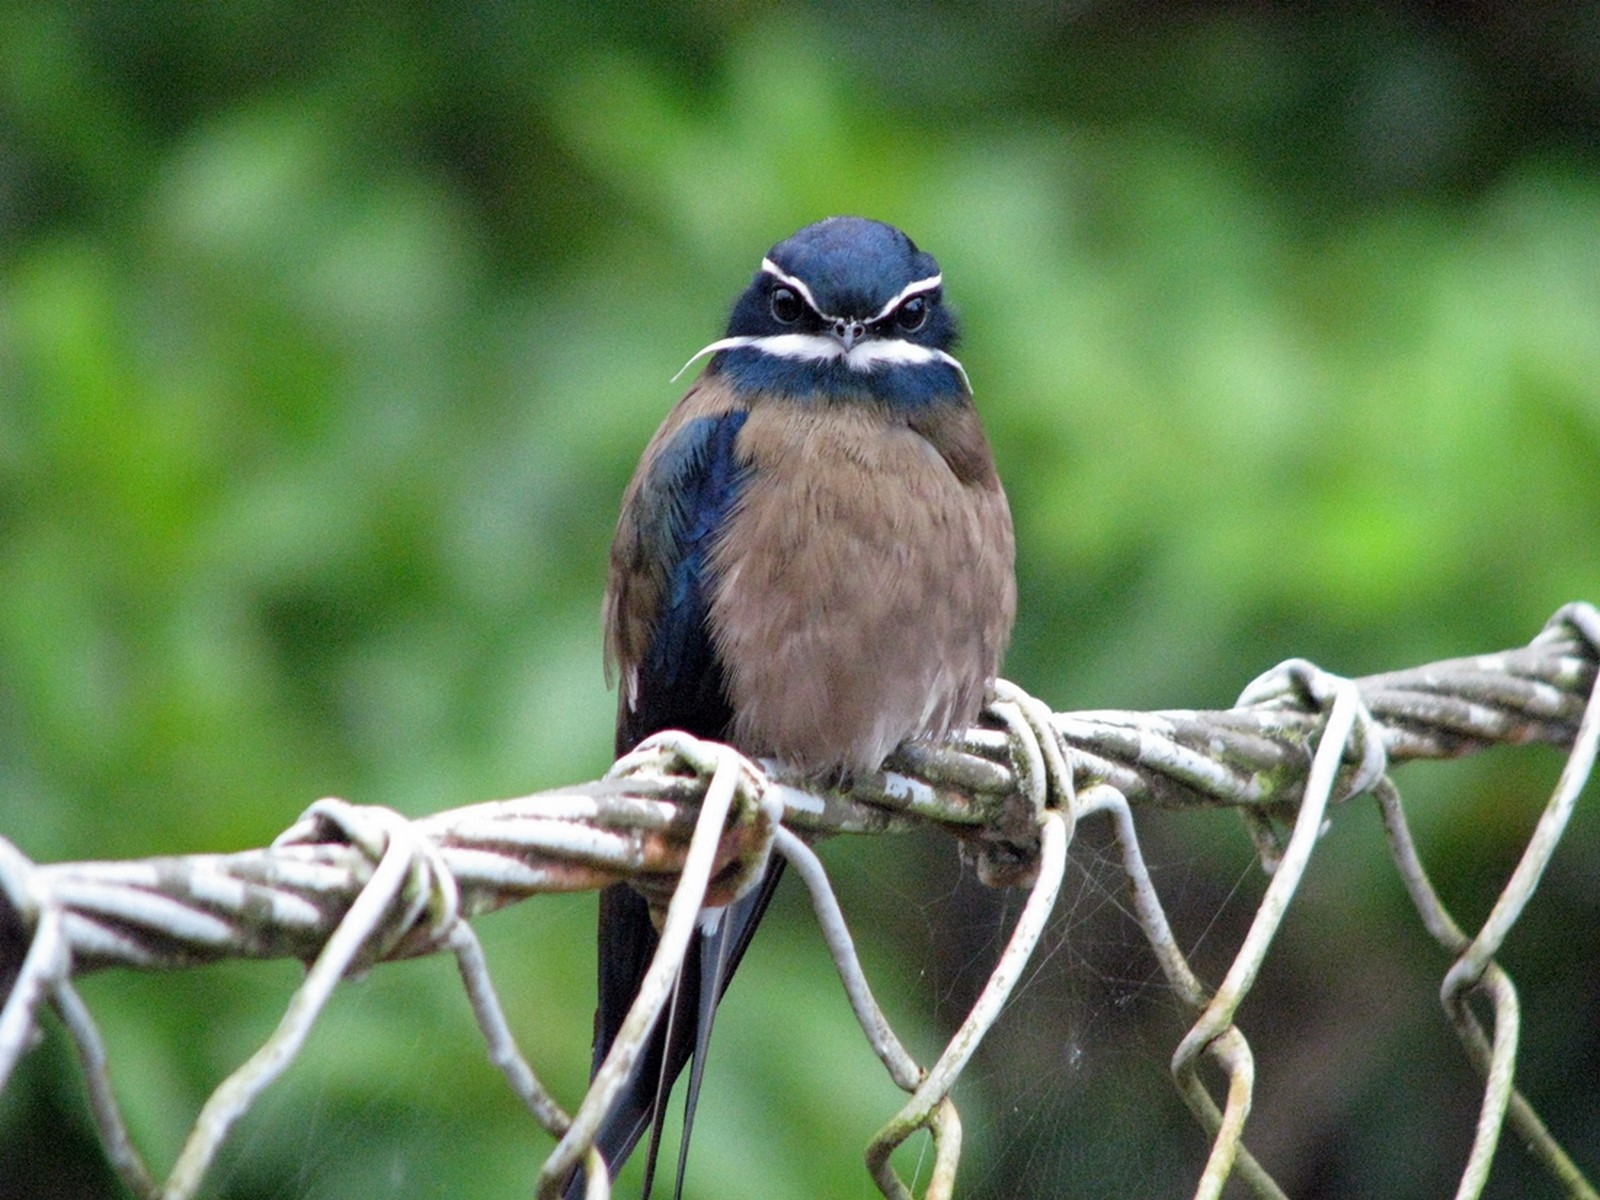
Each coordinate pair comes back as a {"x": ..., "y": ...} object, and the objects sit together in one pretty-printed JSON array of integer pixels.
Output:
[
  {"x": 686, "y": 495},
  {"x": 677, "y": 512}
]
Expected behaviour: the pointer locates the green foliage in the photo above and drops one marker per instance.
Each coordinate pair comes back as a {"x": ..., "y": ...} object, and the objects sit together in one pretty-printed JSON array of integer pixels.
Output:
[{"x": 328, "y": 339}]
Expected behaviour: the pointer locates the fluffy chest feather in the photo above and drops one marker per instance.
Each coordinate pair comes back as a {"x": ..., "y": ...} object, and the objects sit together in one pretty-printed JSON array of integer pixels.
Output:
[{"x": 863, "y": 586}]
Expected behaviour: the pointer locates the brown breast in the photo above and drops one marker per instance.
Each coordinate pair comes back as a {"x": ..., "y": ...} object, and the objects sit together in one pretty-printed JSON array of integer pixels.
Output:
[{"x": 865, "y": 591}]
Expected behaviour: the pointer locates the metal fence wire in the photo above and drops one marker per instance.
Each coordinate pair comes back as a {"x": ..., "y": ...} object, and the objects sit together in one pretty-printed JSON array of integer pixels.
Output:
[{"x": 347, "y": 887}]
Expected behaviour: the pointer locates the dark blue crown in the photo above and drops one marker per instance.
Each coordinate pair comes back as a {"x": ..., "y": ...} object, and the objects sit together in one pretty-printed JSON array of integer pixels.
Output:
[{"x": 852, "y": 265}]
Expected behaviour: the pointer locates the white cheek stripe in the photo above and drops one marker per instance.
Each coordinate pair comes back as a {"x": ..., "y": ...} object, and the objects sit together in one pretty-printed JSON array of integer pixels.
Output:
[
  {"x": 812, "y": 347},
  {"x": 915, "y": 287}
]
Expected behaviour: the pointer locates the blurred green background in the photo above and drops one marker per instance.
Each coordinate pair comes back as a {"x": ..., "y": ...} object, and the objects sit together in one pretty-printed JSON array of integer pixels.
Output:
[{"x": 330, "y": 334}]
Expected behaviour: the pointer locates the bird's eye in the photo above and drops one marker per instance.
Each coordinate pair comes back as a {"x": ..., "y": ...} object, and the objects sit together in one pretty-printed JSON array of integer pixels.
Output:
[
  {"x": 786, "y": 306},
  {"x": 912, "y": 315}
]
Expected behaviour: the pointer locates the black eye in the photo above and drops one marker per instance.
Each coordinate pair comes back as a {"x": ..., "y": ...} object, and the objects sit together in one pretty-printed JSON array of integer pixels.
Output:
[
  {"x": 786, "y": 306},
  {"x": 912, "y": 315}
]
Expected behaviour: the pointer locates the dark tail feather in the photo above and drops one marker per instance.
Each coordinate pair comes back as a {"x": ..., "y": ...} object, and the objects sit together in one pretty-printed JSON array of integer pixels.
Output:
[
  {"x": 714, "y": 972},
  {"x": 627, "y": 942},
  {"x": 719, "y": 959}
]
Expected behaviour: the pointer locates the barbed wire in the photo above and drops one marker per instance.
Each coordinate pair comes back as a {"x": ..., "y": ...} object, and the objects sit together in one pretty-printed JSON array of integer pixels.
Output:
[{"x": 693, "y": 823}]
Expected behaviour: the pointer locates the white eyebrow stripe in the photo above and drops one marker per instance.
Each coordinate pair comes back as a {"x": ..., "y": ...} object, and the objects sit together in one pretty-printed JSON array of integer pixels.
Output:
[
  {"x": 782, "y": 276},
  {"x": 915, "y": 287},
  {"x": 863, "y": 356}
]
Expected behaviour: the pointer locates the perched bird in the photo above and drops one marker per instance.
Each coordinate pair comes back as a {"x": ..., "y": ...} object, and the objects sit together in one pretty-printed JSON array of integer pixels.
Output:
[{"x": 814, "y": 563}]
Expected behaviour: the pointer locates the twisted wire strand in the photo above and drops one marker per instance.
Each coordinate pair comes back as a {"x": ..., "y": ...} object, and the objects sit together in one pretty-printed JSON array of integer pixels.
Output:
[
  {"x": 285, "y": 901},
  {"x": 346, "y": 887}
]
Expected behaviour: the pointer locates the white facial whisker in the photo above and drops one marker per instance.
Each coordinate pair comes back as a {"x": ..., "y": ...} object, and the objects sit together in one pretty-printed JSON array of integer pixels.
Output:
[
  {"x": 813, "y": 347},
  {"x": 727, "y": 343}
]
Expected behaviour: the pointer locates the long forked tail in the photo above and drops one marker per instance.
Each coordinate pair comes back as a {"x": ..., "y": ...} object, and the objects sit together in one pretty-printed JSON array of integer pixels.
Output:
[{"x": 627, "y": 943}]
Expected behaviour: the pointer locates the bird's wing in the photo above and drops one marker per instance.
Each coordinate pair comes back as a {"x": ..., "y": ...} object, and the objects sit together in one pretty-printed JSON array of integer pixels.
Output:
[
  {"x": 659, "y": 586},
  {"x": 658, "y": 641}
]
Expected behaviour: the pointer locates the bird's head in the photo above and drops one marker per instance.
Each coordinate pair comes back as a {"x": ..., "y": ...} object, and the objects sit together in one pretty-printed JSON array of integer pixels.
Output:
[
  {"x": 846, "y": 306},
  {"x": 850, "y": 279}
]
